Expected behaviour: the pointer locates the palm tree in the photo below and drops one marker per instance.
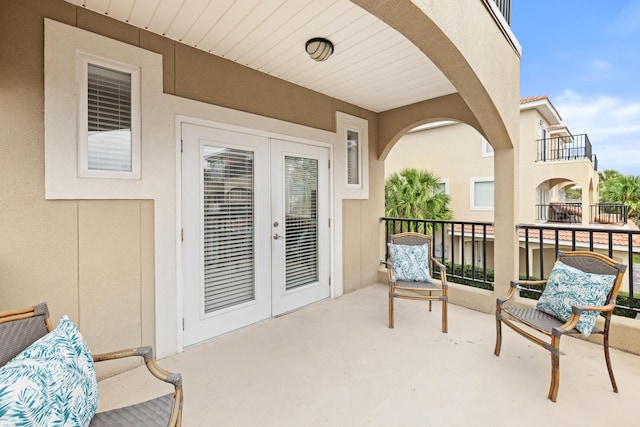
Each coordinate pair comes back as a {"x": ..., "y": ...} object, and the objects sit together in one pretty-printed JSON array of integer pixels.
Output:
[
  {"x": 413, "y": 193},
  {"x": 607, "y": 175},
  {"x": 623, "y": 189}
]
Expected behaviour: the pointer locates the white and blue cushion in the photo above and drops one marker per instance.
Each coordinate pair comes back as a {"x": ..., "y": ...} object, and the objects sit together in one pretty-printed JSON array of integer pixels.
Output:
[
  {"x": 568, "y": 287},
  {"x": 410, "y": 262},
  {"x": 51, "y": 383}
]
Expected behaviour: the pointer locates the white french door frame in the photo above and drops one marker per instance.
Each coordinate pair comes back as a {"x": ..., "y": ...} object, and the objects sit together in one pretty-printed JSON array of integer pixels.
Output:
[{"x": 274, "y": 129}]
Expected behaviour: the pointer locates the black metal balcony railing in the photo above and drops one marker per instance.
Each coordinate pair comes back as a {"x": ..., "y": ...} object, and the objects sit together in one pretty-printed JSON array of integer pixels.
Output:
[
  {"x": 571, "y": 212},
  {"x": 505, "y": 9},
  {"x": 609, "y": 213},
  {"x": 560, "y": 212},
  {"x": 572, "y": 147},
  {"x": 581, "y": 238},
  {"x": 467, "y": 262}
]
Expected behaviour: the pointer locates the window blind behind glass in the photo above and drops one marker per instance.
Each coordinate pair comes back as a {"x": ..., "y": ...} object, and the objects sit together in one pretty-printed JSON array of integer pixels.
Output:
[
  {"x": 301, "y": 206},
  {"x": 228, "y": 259},
  {"x": 353, "y": 165},
  {"x": 109, "y": 119},
  {"x": 483, "y": 194}
]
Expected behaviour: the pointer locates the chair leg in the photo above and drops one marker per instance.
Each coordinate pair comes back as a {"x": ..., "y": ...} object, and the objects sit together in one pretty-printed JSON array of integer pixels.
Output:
[
  {"x": 555, "y": 369},
  {"x": 430, "y": 294},
  {"x": 608, "y": 360},
  {"x": 391, "y": 292},
  {"x": 445, "y": 324},
  {"x": 496, "y": 350}
]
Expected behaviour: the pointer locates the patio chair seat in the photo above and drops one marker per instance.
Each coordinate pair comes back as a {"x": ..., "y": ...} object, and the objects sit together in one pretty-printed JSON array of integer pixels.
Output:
[
  {"x": 541, "y": 321},
  {"x": 417, "y": 285},
  {"x": 155, "y": 412}
]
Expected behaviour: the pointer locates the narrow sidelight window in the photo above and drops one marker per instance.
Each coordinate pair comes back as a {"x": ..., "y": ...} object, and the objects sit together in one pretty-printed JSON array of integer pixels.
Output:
[{"x": 353, "y": 158}]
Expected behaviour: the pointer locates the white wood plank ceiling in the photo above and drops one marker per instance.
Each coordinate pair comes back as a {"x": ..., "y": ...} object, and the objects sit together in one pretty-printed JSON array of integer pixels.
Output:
[{"x": 373, "y": 66}]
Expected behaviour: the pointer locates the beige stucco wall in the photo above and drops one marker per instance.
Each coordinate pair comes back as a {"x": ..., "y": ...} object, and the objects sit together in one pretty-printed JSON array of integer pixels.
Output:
[
  {"x": 79, "y": 254},
  {"x": 94, "y": 260},
  {"x": 91, "y": 260}
]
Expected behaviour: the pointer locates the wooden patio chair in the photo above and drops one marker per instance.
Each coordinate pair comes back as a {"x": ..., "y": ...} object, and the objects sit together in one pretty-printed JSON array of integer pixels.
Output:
[
  {"x": 21, "y": 328},
  {"x": 408, "y": 284},
  {"x": 526, "y": 321}
]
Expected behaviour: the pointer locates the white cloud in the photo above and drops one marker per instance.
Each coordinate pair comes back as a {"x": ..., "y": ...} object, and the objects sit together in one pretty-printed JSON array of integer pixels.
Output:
[
  {"x": 600, "y": 65},
  {"x": 612, "y": 124}
]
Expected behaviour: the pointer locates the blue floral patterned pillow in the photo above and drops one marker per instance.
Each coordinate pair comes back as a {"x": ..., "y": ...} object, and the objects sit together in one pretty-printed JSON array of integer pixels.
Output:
[
  {"x": 568, "y": 287},
  {"x": 51, "y": 383},
  {"x": 410, "y": 262}
]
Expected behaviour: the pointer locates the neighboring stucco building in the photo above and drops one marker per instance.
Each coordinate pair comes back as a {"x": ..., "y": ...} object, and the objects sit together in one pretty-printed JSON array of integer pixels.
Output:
[
  {"x": 463, "y": 160},
  {"x": 550, "y": 159},
  {"x": 240, "y": 179}
]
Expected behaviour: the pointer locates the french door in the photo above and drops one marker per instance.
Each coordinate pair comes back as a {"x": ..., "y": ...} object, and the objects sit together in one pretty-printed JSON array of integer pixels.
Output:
[{"x": 255, "y": 229}]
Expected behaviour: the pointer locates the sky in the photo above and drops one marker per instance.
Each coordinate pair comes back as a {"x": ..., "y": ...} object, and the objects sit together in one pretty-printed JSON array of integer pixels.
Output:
[{"x": 585, "y": 56}]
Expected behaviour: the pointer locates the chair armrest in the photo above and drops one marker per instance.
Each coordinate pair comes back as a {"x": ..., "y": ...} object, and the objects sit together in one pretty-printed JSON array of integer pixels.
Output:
[
  {"x": 579, "y": 309},
  {"x": 162, "y": 374},
  {"x": 575, "y": 316},
  {"x": 516, "y": 283},
  {"x": 146, "y": 353},
  {"x": 442, "y": 270}
]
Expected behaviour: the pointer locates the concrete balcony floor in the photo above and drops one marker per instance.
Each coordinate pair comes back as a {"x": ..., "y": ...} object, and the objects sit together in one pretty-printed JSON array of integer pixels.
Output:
[{"x": 336, "y": 363}]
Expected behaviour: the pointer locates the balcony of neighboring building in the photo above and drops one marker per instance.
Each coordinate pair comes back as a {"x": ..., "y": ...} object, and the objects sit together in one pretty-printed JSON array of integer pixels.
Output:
[
  {"x": 570, "y": 212},
  {"x": 566, "y": 148}
]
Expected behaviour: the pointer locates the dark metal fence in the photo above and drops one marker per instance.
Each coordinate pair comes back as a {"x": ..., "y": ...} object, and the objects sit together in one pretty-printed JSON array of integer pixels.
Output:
[
  {"x": 601, "y": 240},
  {"x": 466, "y": 262},
  {"x": 464, "y": 248}
]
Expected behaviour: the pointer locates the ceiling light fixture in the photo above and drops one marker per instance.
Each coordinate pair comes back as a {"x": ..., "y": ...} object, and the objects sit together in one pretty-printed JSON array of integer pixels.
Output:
[{"x": 319, "y": 49}]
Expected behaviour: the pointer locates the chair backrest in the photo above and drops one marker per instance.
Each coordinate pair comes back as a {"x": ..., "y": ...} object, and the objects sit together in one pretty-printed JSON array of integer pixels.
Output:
[
  {"x": 593, "y": 262},
  {"x": 21, "y": 328},
  {"x": 416, "y": 239},
  {"x": 411, "y": 238}
]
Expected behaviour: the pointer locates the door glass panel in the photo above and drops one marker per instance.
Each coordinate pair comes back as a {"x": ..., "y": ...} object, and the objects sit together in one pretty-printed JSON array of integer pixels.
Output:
[
  {"x": 301, "y": 209},
  {"x": 228, "y": 188}
]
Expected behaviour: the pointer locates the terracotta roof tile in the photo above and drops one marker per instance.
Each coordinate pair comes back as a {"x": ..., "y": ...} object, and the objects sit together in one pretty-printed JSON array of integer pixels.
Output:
[{"x": 527, "y": 99}]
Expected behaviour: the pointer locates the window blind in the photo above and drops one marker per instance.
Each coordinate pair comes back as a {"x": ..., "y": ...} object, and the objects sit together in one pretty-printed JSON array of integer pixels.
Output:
[
  {"x": 109, "y": 119},
  {"x": 483, "y": 194},
  {"x": 353, "y": 160},
  {"x": 229, "y": 268},
  {"x": 301, "y": 207}
]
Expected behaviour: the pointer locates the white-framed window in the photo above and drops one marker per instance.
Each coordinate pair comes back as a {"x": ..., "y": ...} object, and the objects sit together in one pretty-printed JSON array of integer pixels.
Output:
[
  {"x": 108, "y": 118},
  {"x": 443, "y": 186},
  {"x": 482, "y": 193},
  {"x": 487, "y": 149},
  {"x": 354, "y": 159},
  {"x": 352, "y": 156}
]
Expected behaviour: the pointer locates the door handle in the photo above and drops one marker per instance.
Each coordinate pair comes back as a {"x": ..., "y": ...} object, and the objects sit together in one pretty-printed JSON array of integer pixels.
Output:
[{"x": 277, "y": 236}]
